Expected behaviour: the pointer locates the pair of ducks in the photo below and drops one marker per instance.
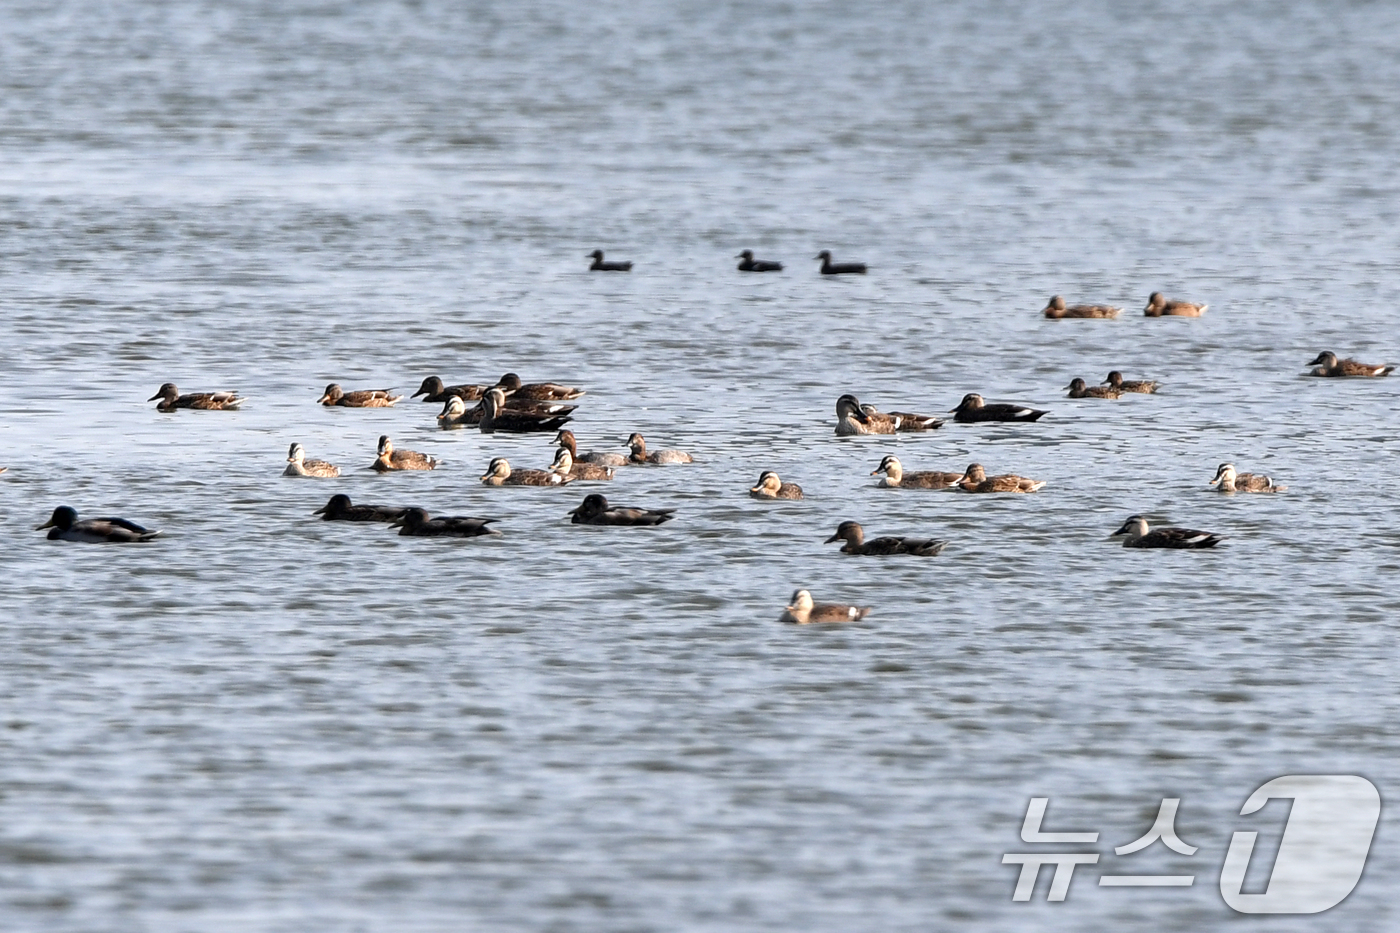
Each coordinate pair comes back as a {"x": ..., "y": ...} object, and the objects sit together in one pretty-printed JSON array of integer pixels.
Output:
[
  {"x": 973, "y": 479},
  {"x": 637, "y": 453},
  {"x": 388, "y": 460},
  {"x": 434, "y": 390},
  {"x": 412, "y": 522},
  {"x": 1157, "y": 306},
  {"x": 494, "y": 413},
  {"x": 853, "y": 418},
  {"x": 1113, "y": 387}
]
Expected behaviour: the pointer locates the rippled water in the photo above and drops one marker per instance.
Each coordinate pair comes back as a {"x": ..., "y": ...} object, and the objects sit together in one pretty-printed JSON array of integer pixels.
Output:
[{"x": 266, "y": 722}]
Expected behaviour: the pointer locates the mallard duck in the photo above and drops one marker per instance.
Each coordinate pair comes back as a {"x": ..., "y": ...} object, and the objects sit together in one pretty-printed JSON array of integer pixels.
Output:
[
  {"x": 1158, "y": 306},
  {"x": 64, "y": 526},
  {"x": 802, "y": 610},
  {"x": 416, "y": 523},
  {"x": 1227, "y": 480},
  {"x": 456, "y": 414},
  {"x": 639, "y": 454},
  {"x": 770, "y": 487},
  {"x": 750, "y": 264},
  {"x": 596, "y": 511},
  {"x": 1138, "y": 535},
  {"x": 171, "y": 399},
  {"x": 391, "y": 459},
  {"x": 974, "y": 408},
  {"x": 1056, "y": 308},
  {"x": 565, "y": 438},
  {"x": 499, "y": 473},
  {"x": 565, "y": 465},
  {"x": 340, "y": 509},
  {"x": 854, "y": 536},
  {"x": 977, "y": 480},
  {"x": 496, "y": 416},
  {"x": 433, "y": 390},
  {"x": 361, "y": 398},
  {"x": 298, "y": 465},
  {"x": 1328, "y": 365},
  {"x": 896, "y": 478},
  {"x": 854, "y": 418},
  {"x": 1078, "y": 389},
  {"x": 515, "y": 390},
  {"x": 1143, "y": 386},
  {"x": 600, "y": 266},
  {"x": 838, "y": 268}
]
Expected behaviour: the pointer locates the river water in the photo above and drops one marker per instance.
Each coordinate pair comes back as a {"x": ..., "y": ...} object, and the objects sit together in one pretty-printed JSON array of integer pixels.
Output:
[{"x": 263, "y": 722}]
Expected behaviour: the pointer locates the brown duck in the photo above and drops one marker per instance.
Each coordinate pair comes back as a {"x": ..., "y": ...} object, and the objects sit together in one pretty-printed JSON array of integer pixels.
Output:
[
  {"x": 1056, "y": 308},
  {"x": 771, "y": 487},
  {"x": 390, "y": 460},
  {"x": 802, "y": 610},
  {"x": 1227, "y": 480},
  {"x": 977, "y": 480},
  {"x": 499, "y": 473},
  {"x": 1143, "y": 386},
  {"x": 1159, "y": 306},
  {"x": 361, "y": 398},
  {"x": 1328, "y": 365},
  {"x": 854, "y": 536},
  {"x": 853, "y": 418},
  {"x": 1078, "y": 389},
  {"x": 896, "y": 478},
  {"x": 171, "y": 399}
]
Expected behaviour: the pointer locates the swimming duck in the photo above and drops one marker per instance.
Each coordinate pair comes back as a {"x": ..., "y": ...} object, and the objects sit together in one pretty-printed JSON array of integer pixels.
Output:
[
  {"x": 1077, "y": 389},
  {"x": 454, "y": 414},
  {"x": 565, "y": 438},
  {"x": 596, "y": 511},
  {"x": 1227, "y": 480},
  {"x": 1144, "y": 386},
  {"x": 974, "y": 408},
  {"x": 64, "y": 526},
  {"x": 600, "y": 266},
  {"x": 497, "y": 416},
  {"x": 854, "y": 536},
  {"x": 896, "y": 478},
  {"x": 639, "y": 453},
  {"x": 537, "y": 391},
  {"x": 802, "y": 610},
  {"x": 838, "y": 268},
  {"x": 390, "y": 459},
  {"x": 977, "y": 480},
  {"x": 1138, "y": 535},
  {"x": 1158, "y": 306},
  {"x": 416, "y": 523},
  {"x": 1328, "y": 365},
  {"x": 433, "y": 390},
  {"x": 770, "y": 487},
  {"x": 565, "y": 465},
  {"x": 171, "y": 399},
  {"x": 361, "y": 398},
  {"x": 750, "y": 264},
  {"x": 854, "y": 418},
  {"x": 499, "y": 473},
  {"x": 340, "y": 509},
  {"x": 298, "y": 465},
  {"x": 1056, "y": 308}
]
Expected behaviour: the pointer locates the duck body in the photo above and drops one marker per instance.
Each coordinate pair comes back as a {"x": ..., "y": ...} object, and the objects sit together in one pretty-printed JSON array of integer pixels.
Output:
[
  {"x": 1227, "y": 480},
  {"x": 416, "y": 523},
  {"x": 361, "y": 398},
  {"x": 639, "y": 455},
  {"x": 839, "y": 268},
  {"x": 771, "y": 487},
  {"x": 1056, "y": 308},
  {"x": 853, "y": 418},
  {"x": 1159, "y": 306},
  {"x": 565, "y": 465},
  {"x": 977, "y": 480},
  {"x": 802, "y": 611},
  {"x": 595, "y": 510},
  {"x": 565, "y": 438},
  {"x": 749, "y": 264},
  {"x": 499, "y": 473},
  {"x": 171, "y": 399},
  {"x": 63, "y": 525},
  {"x": 514, "y": 390},
  {"x": 1137, "y": 534},
  {"x": 1078, "y": 389},
  {"x": 391, "y": 460},
  {"x": 497, "y": 416},
  {"x": 1142, "y": 386},
  {"x": 599, "y": 265},
  {"x": 341, "y": 509},
  {"x": 433, "y": 390},
  {"x": 1328, "y": 365},
  {"x": 854, "y": 536},
  {"x": 896, "y": 478},
  {"x": 298, "y": 465},
  {"x": 973, "y": 408}
]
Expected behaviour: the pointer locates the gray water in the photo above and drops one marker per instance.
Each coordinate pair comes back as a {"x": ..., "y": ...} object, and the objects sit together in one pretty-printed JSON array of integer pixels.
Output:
[{"x": 263, "y": 722}]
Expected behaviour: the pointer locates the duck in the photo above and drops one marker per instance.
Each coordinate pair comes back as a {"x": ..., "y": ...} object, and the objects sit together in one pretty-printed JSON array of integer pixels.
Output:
[
  {"x": 511, "y": 385},
  {"x": 416, "y": 523},
  {"x": 390, "y": 459},
  {"x": 977, "y": 480},
  {"x": 1227, "y": 480},
  {"x": 298, "y": 465},
  {"x": 171, "y": 399},
  {"x": 1055, "y": 308},
  {"x": 1328, "y": 365},
  {"x": 595, "y": 510},
  {"x": 1078, "y": 389},
  {"x": 896, "y": 478},
  {"x": 771, "y": 487},
  {"x": 1138, "y": 535},
  {"x": 454, "y": 414},
  {"x": 565, "y": 438},
  {"x": 497, "y": 416},
  {"x": 853, "y": 418},
  {"x": 838, "y": 268},
  {"x": 801, "y": 610},
  {"x": 565, "y": 465},
  {"x": 600, "y": 266},
  {"x": 63, "y": 525},
  {"x": 750, "y": 264},
  {"x": 638, "y": 445},
  {"x": 433, "y": 390},
  {"x": 974, "y": 408},
  {"x": 1143, "y": 386},
  {"x": 1159, "y": 306},
  {"x": 340, "y": 509},
  {"x": 854, "y": 536},
  {"x": 361, "y": 398},
  {"x": 499, "y": 473}
]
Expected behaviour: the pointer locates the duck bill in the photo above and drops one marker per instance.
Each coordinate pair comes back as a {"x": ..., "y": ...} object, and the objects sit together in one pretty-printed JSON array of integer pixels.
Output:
[
  {"x": 323, "y": 399},
  {"x": 322, "y": 510},
  {"x": 47, "y": 524},
  {"x": 1121, "y": 531},
  {"x": 875, "y": 472},
  {"x": 831, "y": 539},
  {"x": 154, "y": 397}
]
